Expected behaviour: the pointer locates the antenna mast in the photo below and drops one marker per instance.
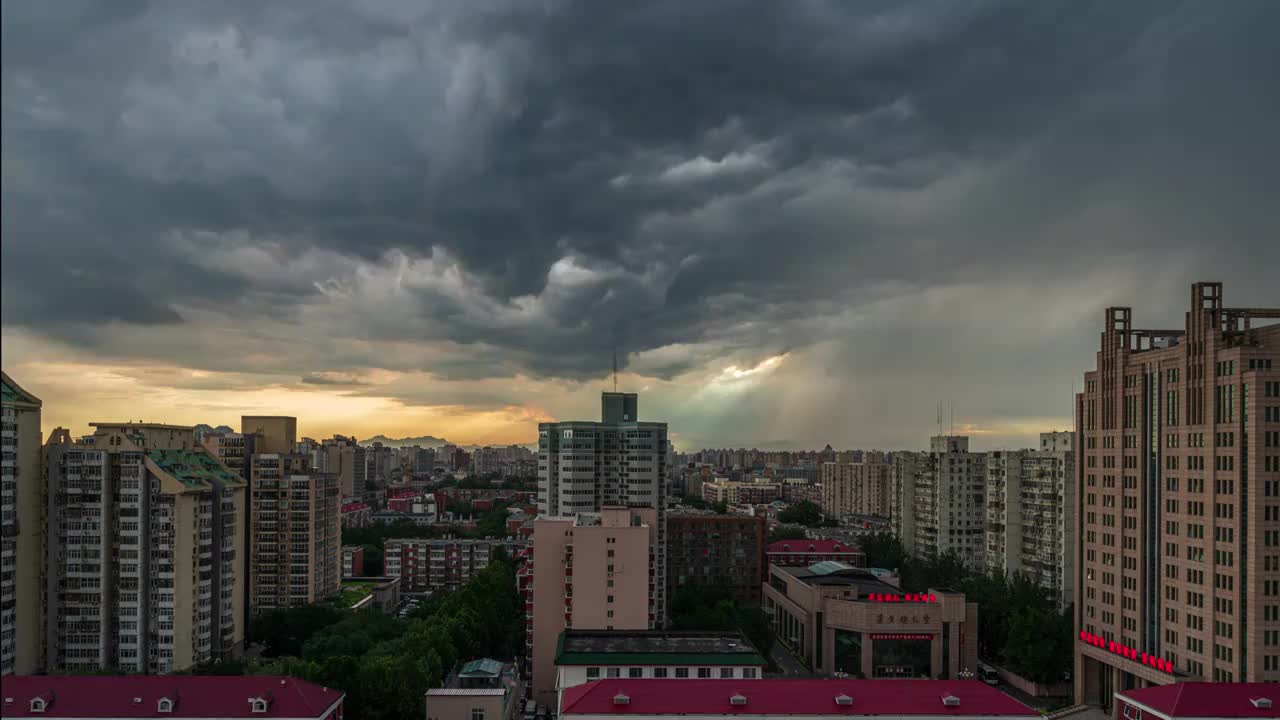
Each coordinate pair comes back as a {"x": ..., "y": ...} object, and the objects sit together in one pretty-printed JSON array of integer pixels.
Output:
[{"x": 615, "y": 368}]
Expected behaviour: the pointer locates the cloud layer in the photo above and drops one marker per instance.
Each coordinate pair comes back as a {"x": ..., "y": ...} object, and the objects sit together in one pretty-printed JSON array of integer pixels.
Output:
[{"x": 797, "y": 223}]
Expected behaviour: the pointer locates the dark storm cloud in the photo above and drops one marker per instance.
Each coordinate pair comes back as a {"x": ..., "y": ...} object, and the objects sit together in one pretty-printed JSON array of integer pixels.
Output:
[{"x": 543, "y": 183}]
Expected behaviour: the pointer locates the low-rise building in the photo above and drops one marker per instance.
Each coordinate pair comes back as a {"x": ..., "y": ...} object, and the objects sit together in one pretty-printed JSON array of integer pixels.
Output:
[
  {"x": 791, "y": 698},
  {"x": 807, "y": 552},
  {"x": 480, "y": 690},
  {"x": 706, "y": 548},
  {"x": 427, "y": 565},
  {"x": 356, "y": 515},
  {"x": 352, "y": 560},
  {"x": 583, "y": 656},
  {"x": 370, "y": 593},
  {"x": 756, "y": 492},
  {"x": 179, "y": 697},
  {"x": 842, "y": 619},
  {"x": 1198, "y": 700}
]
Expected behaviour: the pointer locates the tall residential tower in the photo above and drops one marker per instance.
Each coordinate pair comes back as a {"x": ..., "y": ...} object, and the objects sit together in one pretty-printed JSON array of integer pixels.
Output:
[{"x": 21, "y": 530}]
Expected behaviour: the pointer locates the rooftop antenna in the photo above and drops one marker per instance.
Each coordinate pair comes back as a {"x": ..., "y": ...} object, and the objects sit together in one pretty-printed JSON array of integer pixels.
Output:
[
  {"x": 615, "y": 368},
  {"x": 953, "y": 417}
]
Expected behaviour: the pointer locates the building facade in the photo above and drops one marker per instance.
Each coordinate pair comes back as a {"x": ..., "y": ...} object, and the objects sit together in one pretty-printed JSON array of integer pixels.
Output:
[
  {"x": 483, "y": 689},
  {"x": 944, "y": 502},
  {"x": 751, "y": 492},
  {"x": 296, "y": 533},
  {"x": 842, "y": 619},
  {"x": 725, "y": 551},
  {"x": 1031, "y": 514},
  {"x": 144, "y": 571},
  {"x": 1178, "y": 502},
  {"x": 352, "y": 561},
  {"x": 426, "y": 565},
  {"x": 22, "y": 538},
  {"x": 856, "y": 488},
  {"x": 904, "y": 469},
  {"x": 592, "y": 571},
  {"x": 808, "y": 552},
  {"x": 619, "y": 461}
]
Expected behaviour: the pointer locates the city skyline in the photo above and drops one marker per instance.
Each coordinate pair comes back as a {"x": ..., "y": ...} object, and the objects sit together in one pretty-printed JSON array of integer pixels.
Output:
[{"x": 445, "y": 220}]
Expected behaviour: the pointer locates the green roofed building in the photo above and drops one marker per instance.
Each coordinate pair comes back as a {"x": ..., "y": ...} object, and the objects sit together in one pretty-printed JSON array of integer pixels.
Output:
[
  {"x": 145, "y": 551},
  {"x": 586, "y": 655}
]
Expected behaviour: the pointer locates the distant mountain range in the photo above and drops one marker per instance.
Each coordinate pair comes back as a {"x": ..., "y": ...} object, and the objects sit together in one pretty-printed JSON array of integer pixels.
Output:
[
  {"x": 423, "y": 441},
  {"x": 203, "y": 429}
]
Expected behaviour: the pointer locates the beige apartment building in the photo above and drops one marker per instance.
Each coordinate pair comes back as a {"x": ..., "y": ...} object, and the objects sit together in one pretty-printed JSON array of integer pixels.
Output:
[
  {"x": 144, "y": 551},
  {"x": 940, "y": 500},
  {"x": 21, "y": 530},
  {"x": 296, "y": 544},
  {"x": 856, "y": 488},
  {"x": 1030, "y": 514},
  {"x": 1178, "y": 499},
  {"x": 593, "y": 571},
  {"x": 731, "y": 492},
  {"x": 904, "y": 468}
]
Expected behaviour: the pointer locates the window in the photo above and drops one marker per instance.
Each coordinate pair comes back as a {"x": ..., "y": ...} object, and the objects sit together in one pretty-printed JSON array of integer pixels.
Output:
[
  {"x": 726, "y": 673},
  {"x": 637, "y": 672},
  {"x": 593, "y": 673},
  {"x": 613, "y": 673},
  {"x": 682, "y": 672},
  {"x": 749, "y": 673},
  {"x": 37, "y": 705},
  {"x": 258, "y": 705},
  {"x": 164, "y": 705},
  {"x": 659, "y": 672},
  {"x": 477, "y": 713},
  {"x": 704, "y": 673}
]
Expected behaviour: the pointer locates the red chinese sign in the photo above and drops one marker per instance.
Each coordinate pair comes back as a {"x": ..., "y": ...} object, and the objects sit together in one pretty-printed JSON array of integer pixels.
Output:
[{"x": 1127, "y": 652}]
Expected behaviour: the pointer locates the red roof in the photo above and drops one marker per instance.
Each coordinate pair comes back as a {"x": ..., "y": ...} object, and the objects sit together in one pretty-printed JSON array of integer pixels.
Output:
[
  {"x": 194, "y": 696},
  {"x": 1202, "y": 699},
  {"x": 791, "y": 697},
  {"x": 354, "y": 506},
  {"x": 816, "y": 546}
]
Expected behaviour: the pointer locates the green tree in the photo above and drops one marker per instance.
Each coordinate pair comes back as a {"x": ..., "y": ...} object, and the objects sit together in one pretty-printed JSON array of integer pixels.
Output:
[
  {"x": 783, "y": 532},
  {"x": 802, "y": 513},
  {"x": 283, "y": 632}
]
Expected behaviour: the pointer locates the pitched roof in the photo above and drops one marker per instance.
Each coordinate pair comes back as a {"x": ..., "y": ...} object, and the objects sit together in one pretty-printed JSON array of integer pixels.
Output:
[
  {"x": 1204, "y": 699},
  {"x": 655, "y": 647},
  {"x": 12, "y": 392},
  {"x": 195, "y": 696},
  {"x": 792, "y": 697}
]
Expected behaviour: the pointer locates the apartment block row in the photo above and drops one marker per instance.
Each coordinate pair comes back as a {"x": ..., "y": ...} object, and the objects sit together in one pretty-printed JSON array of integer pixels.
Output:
[{"x": 434, "y": 565}]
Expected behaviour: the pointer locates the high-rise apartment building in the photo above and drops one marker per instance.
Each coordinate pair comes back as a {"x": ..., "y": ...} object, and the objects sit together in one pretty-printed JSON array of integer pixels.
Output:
[
  {"x": 904, "y": 469},
  {"x": 590, "y": 571},
  {"x": 943, "y": 501},
  {"x": 144, "y": 570},
  {"x": 296, "y": 538},
  {"x": 1178, "y": 500},
  {"x": 425, "y": 565},
  {"x": 337, "y": 455},
  {"x": 21, "y": 530},
  {"x": 856, "y": 488},
  {"x": 273, "y": 433},
  {"x": 585, "y": 466},
  {"x": 1030, "y": 514}
]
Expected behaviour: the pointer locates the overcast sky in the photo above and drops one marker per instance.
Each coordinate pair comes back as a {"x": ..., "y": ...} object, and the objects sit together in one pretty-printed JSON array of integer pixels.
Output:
[{"x": 799, "y": 223}]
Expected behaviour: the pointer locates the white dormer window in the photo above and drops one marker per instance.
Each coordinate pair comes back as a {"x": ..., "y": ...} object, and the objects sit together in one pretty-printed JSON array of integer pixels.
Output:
[
  {"x": 37, "y": 705},
  {"x": 843, "y": 699},
  {"x": 737, "y": 699},
  {"x": 164, "y": 705},
  {"x": 1261, "y": 703},
  {"x": 950, "y": 700},
  {"x": 257, "y": 705},
  {"x": 621, "y": 699}
]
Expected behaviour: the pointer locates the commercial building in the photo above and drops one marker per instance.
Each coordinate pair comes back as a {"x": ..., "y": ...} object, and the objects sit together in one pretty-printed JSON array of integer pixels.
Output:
[
  {"x": 145, "y": 569},
  {"x": 483, "y": 689},
  {"x": 425, "y": 565},
  {"x": 592, "y": 571},
  {"x": 1178, "y": 501},
  {"x": 583, "y": 656},
  {"x": 842, "y": 619},
  {"x": 856, "y": 488},
  {"x": 21, "y": 530},
  {"x": 1198, "y": 700},
  {"x": 1030, "y": 513},
  {"x": 730, "y": 492},
  {"x": 180, "y": 697},
  {"x": 807, "y": 552},
  {"x": 295, "y": 556},
  {"x": 792, "y": 698},
  {"x": 619, "y": 461},
  {"x": 723, "y": 551}
]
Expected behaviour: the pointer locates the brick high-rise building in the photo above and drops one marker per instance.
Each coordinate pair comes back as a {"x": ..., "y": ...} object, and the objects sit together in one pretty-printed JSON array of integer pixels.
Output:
[
  {"x": 1178, "y": 502},
  {"x": 726, "y": 551},
  {"x": 144, "y": 571},
  {"x": 590, "y": 571},
  {"x": 296, "y": 537},
  {"x": 1030, "y": 513},
  {"x": 21, "y": 530},
  {"x": 856, "y": 488}
]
